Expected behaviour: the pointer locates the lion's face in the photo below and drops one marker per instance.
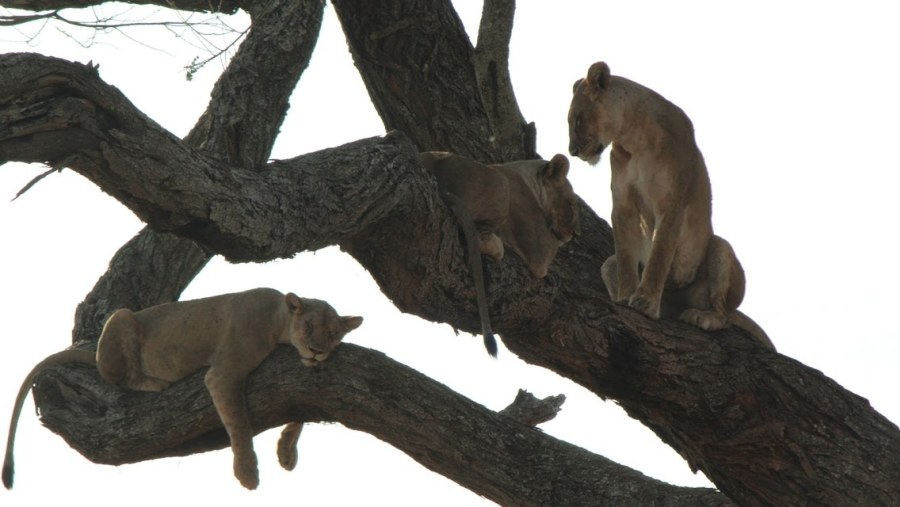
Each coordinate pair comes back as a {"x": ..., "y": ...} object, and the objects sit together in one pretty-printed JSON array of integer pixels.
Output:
[
  {"x": 591, "y": 126},
  {"x": 561, "y": 205},
  {"x": 316, "y": 329}
]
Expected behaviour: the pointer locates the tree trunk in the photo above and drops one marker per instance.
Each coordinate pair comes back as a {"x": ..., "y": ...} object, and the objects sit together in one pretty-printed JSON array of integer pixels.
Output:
[{"x": 765, "y": 429}]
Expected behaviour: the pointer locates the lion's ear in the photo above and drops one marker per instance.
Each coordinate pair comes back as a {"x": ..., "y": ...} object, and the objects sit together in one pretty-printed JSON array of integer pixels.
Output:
[
  {"x": 598, "y": 76},
  {"x": 351, "y": 323},
  {"x": 557, "y": 168},
  {"x": 294, "y": 303},
  {"x": 575, "y": 86}
]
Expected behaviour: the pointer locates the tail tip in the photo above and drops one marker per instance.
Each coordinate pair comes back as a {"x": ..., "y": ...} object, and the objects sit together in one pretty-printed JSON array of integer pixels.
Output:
[
  {"x": 8, "y": 475},
  {"x": 490, "y": 343}
]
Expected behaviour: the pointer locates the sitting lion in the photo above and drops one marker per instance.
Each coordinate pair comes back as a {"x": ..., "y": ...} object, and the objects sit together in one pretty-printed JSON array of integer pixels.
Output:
[
  {"x": 528, "y": 205},
  {"x": 150, "y": 349},
  {"x": 667, "y": 260}
]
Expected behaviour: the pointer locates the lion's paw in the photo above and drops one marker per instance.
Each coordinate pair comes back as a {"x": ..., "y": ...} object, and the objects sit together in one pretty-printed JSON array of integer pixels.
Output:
[
  {"x": 646, "y": 305},
  {"x": 704, "y": 319},
  {"x": 287, "y": 445},
  {"x": 246, "y": 471}
]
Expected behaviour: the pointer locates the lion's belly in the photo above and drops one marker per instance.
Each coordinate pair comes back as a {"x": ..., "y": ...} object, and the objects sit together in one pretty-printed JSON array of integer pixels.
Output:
[{"x": 177, "y": 344}]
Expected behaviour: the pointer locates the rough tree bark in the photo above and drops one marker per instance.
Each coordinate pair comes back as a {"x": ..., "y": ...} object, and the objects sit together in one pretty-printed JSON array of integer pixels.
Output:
[{"x": 765, "y": 429}]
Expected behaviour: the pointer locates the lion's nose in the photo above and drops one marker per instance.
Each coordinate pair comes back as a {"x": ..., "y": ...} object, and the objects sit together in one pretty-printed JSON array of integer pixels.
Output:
[{"x": 573, "y": 149}]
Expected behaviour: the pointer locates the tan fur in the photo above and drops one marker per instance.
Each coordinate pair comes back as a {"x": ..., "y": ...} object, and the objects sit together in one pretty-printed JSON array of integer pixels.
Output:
[
  {"x": 528, "y": 206},
  {"x": 667, "y": 261},
  {"x": 150, "y": 349}
]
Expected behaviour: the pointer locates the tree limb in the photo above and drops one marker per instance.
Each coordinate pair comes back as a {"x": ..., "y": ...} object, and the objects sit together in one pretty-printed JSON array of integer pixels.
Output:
[
  {"x": 99, "y": 134},
  {"x": 492, "y": 454},
  {"x": 416, "y": 62},
  {"x": 491, "y": 62}
]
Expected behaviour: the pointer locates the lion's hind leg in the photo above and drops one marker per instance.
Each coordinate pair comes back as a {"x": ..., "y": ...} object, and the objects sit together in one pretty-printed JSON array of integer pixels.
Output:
[
  {"x": 287, "y": 445},
  {"x": 708, "y": 320},
  {"x": 610, "y": 277},
  {"x": 119, "y": 353},
  {"x": 228, "y": 392},
  {"x": 725, "y": 275},
  {"x": 490, "y": 244},
  {"x": 718, "y": 290}
]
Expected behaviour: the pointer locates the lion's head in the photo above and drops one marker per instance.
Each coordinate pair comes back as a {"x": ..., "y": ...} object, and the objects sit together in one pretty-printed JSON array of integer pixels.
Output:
[
  {"x": 560, "y": 204},
  {"x": 593, "y": 123},
  {"x": 315, "y": 328}
]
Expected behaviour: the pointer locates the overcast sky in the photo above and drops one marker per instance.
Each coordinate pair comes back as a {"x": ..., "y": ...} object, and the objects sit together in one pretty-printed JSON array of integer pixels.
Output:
[{"x": 795, "y": 109}]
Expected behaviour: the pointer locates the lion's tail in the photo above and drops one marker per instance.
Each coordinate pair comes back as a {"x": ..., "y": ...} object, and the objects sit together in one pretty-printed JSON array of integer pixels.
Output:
[
  {"x": 475, "y": 265},
  {"x": 62, "y": 357},
  {"x": 741, "y": 320}
]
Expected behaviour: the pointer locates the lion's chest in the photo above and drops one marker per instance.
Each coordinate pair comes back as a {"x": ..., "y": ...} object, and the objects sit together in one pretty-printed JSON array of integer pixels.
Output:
[{"x": 640, "y": 185}]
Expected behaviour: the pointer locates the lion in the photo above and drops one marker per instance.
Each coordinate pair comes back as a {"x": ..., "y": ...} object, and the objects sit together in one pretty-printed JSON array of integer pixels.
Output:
[
  {"x": 528, "y": 206},
  {"x": 667, "y": 261},
  {"x": 151, "y": 349}
]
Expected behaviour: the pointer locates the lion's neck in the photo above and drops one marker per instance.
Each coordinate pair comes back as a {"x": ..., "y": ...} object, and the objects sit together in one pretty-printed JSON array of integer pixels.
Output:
[{"x": 645, "y": 117}]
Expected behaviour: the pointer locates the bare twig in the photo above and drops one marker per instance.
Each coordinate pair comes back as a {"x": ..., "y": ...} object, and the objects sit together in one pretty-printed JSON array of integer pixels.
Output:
[
  {"x": 34, "y": 181},
  {"x": 199, "y": 31}
]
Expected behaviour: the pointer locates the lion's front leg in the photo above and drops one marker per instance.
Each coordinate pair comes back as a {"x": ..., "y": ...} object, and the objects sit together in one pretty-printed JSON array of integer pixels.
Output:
[
  {"x": 229, "y": 397},
  {"x": 665, "y": 235},
  {"x": 629, "y": 243}
]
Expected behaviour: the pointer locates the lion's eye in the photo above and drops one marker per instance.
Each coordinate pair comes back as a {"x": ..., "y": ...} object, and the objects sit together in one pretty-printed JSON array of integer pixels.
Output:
[{"x": 577, "y": 122}]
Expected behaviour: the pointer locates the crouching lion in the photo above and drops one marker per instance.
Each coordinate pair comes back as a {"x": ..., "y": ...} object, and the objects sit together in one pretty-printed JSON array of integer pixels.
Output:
[
  {"x": 667, "y": 261},
  {"x": 148, "y": 350},
  {"x": 528, "y": 206}
]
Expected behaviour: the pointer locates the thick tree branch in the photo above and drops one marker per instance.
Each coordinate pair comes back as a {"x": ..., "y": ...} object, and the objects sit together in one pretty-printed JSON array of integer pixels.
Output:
[
  {"x": 250, "y": 99},
  {"x": 492, "y": 454},
  {"x": 491, "y": 62},
  {"x": 94, "y": 130},
  {"x": 416, "y": 61}
]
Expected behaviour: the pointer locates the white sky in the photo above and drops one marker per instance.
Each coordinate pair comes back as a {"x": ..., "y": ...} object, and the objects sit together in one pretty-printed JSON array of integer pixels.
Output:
[{"x": 795, "y": 108}]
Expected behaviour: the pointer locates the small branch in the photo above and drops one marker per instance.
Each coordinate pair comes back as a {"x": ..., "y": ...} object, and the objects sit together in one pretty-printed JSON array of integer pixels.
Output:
[
  {"x": 34, "y": 181},
  {"x": 527, "y": 409},
  {"x": 220, "y": 6},
  {"x": 23, "y": 19}
]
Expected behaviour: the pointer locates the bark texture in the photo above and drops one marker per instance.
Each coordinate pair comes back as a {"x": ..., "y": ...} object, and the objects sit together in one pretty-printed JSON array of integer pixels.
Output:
[{"x": 766, "y": 429}]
